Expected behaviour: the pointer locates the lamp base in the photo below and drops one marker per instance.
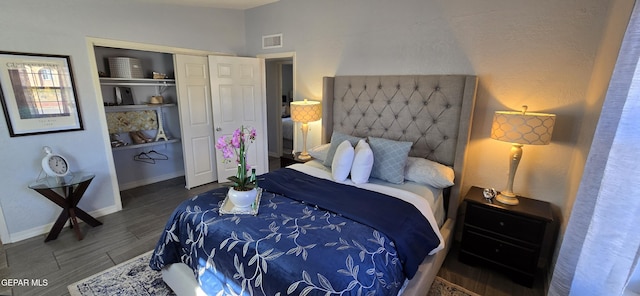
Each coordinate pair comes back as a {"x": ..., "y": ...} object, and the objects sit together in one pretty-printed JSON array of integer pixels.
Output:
[
  {"x": 303, "y": 156},
  {"x": 507, "y": 199}
]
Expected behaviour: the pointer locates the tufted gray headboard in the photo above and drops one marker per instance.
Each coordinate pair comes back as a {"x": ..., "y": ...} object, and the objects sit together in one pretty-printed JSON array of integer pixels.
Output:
[{"x": 432, "y": 111}]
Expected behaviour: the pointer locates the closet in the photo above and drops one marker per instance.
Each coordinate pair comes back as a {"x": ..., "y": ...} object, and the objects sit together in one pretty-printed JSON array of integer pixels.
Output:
[
  {"x": 164, "y": 115},
  {"x": 142, "y": 114}
]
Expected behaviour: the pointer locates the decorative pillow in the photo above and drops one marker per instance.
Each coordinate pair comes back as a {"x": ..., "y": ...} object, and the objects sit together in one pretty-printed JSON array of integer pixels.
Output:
[
  {"x": 319, "y": 152},
  {"x": 362, "y": 163},
  {"x": 336, "y": 139},
  {"x": 341, "y": 164},
  {"x": 390, "y": 158},
  {"x": 424, "y": 171}
]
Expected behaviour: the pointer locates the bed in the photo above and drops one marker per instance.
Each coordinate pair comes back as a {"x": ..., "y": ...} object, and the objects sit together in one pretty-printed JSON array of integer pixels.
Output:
[
  {"x": 287, "y": 128},
  {"x": 375, "y": 251}
]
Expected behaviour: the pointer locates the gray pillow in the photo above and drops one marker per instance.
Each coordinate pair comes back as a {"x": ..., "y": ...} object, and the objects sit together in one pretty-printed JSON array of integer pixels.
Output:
[
  {"x": 389, "y": 159},
  {"x": 336, "y": 139}
]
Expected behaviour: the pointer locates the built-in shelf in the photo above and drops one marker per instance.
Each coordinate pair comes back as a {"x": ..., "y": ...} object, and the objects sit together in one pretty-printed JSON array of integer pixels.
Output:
[
  {"x": 150, "y": 144},
  {"x": 136, "y": 81},
  {"x": 125, "y": 108}
]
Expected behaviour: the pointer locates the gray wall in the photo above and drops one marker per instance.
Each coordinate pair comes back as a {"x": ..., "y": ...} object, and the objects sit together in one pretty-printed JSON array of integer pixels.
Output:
[
  {"x": 536, "y": 53},
  {"x": 61, "y": 27}
]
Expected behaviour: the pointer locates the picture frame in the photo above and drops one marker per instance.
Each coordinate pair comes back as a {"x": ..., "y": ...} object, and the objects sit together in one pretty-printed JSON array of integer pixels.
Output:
[{"x": 38, "y": 94}]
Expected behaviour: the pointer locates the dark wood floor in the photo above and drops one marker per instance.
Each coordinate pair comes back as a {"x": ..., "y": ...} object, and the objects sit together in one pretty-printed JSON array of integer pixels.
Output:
[
  {"x": 486, "y": 281},
  {"x": 136, "y": 229},
  {"x": 123, "y": 235}
]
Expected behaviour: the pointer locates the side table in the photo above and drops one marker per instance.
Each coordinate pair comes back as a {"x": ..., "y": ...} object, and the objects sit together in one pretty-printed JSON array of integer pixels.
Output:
[
  {"x": 511, "y": 238},
  {"x": 73, "y": 187},
  {"x": 289, "y": 159}
]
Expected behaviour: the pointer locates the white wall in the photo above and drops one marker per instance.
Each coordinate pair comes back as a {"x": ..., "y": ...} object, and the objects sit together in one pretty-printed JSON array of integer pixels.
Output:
[
  {"x": 535, "y": 53},
  {"x": 61, "y": 27}
]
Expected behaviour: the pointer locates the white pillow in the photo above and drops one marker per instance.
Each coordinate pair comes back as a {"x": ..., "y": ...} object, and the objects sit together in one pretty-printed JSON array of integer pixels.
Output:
[
  {"x": 320, "y": 152},
  {"x": 422, "y": 170},
  {"x": 362, "y": 163},
  {"x": 342, "y": 160}
]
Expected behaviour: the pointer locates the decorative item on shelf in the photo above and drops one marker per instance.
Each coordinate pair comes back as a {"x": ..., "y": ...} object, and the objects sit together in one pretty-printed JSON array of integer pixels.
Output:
[
  {"x": 116, "y": 142},
  {"x": 139, "y": 137},
  {"x": 243, "y": 190},
  {"x": 157, "y": 75},
  {"x": 124, "y": 95},
  {"x": 156, "y": 100},
  {"x": 305, "y": 112},
  {"x": 125, "y": 67},
  {"x": 520, "y": 128}
]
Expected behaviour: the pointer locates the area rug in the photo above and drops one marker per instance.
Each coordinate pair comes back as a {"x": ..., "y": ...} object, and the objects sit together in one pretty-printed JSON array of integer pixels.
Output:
[
  {"x": 441, "y": 287},
  {"x": 135, "y": 277},
  {"x": 132, "y": 277}
]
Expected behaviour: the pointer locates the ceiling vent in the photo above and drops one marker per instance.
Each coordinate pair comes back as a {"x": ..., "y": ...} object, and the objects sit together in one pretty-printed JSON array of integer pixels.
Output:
[{"x": 272, "y": 41}]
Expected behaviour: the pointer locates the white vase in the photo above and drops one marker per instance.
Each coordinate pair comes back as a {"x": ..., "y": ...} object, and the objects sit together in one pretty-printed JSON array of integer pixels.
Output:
[{"x": 242, "y": 199}]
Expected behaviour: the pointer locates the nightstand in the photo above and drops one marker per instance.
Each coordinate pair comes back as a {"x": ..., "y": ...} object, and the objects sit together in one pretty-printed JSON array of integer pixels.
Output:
[
  {"x": 510, "y": 238},
  {"x": 289, "y": 159}
]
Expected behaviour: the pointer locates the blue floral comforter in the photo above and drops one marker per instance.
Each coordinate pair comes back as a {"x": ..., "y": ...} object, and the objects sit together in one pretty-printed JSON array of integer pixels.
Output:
[{"x": 310, "y": 237}]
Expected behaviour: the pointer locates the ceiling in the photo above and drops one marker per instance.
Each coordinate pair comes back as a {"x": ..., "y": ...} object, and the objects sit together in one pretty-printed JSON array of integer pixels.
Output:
[{"x": 230, "y": 4}]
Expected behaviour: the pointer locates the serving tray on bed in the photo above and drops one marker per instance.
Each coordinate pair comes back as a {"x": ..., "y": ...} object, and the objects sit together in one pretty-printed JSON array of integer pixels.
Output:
[{"x": 229, "y": 208}]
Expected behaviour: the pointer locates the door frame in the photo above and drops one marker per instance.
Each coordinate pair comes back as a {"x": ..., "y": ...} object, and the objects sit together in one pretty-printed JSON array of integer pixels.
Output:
[{"x": 291, "y": 55}]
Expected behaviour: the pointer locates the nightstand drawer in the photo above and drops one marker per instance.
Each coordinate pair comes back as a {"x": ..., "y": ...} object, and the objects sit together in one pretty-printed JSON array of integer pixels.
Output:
[
  {"x": 518, "y": 227},
  {"x": 504, "y": 253}
]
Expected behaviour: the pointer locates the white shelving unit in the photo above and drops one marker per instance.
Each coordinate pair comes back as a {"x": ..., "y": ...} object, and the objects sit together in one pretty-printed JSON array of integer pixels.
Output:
[
  {"x": 127, "y": 108},
  {"x": 133, "y": 82},
  {"x": 160, "y": 138},
  {"x": 164, "y": 131},
  {"x": 150, "y": 144},
  {"x": 136, "y": 82}
]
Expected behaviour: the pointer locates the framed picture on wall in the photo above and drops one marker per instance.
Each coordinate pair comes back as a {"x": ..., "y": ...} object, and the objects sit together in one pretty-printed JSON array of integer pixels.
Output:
[{"x": 38, "y": 94}]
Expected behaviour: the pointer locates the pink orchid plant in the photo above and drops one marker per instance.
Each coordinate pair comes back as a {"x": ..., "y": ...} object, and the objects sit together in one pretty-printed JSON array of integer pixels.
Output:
[{"x": 236, "y": 147}]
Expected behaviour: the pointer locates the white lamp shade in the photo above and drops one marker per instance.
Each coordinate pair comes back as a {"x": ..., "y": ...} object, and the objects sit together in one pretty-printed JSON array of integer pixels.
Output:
[
  {"x": 523, "y": 128},
  {"x": 306, "y": 111}
]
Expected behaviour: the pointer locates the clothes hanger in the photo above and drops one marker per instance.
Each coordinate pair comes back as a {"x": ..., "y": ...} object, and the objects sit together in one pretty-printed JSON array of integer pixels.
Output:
[
  {"x": 144, "y": 157},
  {"x": 159, "y": 156}
]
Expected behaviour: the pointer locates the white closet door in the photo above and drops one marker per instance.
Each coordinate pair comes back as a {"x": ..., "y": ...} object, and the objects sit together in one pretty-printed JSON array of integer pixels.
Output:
[
  {"x": 238, "y": 94},
  {"x": 194, "y": 103}
]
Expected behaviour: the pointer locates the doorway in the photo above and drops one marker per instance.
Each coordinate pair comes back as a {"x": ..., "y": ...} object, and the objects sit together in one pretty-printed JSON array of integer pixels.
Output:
[{"x": 280, "y": 91}]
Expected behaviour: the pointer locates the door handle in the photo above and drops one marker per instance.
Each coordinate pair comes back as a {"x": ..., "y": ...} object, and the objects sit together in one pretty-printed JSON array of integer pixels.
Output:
[{"x": 218, "y": 129}]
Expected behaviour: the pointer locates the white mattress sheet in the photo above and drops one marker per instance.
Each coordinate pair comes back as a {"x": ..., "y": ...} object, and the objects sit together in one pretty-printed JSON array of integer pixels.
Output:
[{"x": 424, "y": 203}]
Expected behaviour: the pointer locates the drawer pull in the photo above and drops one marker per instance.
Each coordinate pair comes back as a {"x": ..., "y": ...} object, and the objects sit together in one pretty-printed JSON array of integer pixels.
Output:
[
  {"x": 501, "y": 223},
  {"x": 497, "y": 250}
]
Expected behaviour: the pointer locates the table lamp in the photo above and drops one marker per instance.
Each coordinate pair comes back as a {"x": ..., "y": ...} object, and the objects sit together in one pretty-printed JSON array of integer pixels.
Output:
[
  {"x": 519, "y": 128},
  {"x": 305, "y": 112}
]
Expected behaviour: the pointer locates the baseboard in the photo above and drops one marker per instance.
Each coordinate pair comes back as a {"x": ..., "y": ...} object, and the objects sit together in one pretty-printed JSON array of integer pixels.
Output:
[
  {"x": 138, "y": 183},
  {"x": 33, "y": 232}
]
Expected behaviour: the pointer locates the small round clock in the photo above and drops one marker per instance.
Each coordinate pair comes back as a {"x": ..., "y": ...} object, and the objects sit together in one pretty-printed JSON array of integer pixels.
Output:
[{"x": 54, "y": 165}]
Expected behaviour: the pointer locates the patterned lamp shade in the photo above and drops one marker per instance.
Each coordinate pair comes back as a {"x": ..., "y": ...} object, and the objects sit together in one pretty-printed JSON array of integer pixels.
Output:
[
  {"x": 306, "y": 111},
  {"x": 523, "y": 128}
]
